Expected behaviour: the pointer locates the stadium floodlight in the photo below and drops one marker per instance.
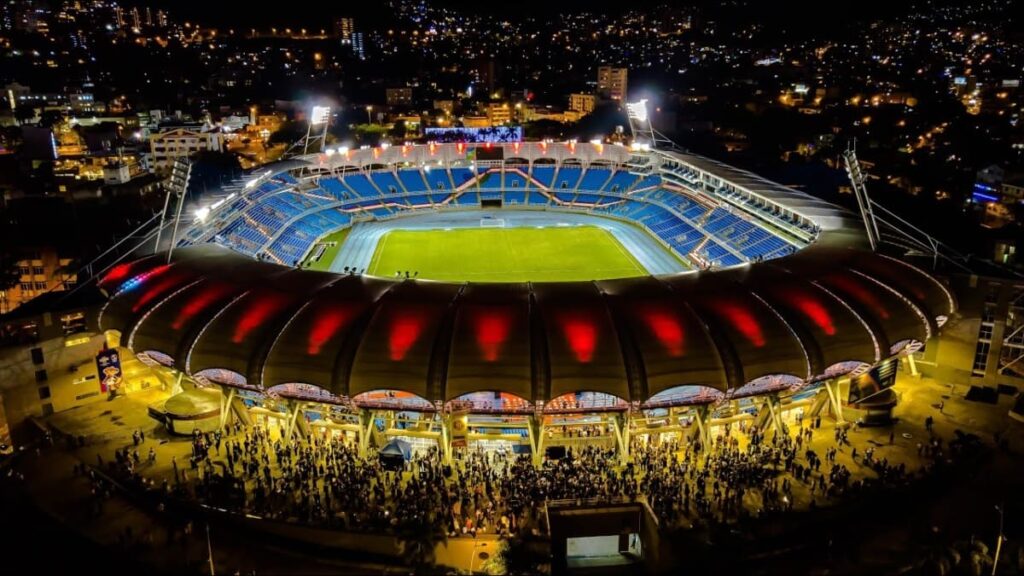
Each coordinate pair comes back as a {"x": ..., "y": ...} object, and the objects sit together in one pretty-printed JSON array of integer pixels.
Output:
[
  {"x": 637, "y": 111},
  {"x": 320, "y": 115},
  {"x": 343, "y": 150},
  {"x": 202, "y": 213},
  {"x": 640, "y": 125},
  {"x": 329, "y": 151}
]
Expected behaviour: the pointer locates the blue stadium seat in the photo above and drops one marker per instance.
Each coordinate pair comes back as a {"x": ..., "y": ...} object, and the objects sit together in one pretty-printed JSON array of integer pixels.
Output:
[
  {"x": 461, "y": 175},
  {"x": 387, "y": 183},
  {"x": 567, "y": 178},
  {"x": 620, "y": 182},
  {"x": 412, "y": 180},
  {"x": 361, "y": 185},
  {"x": 544, "y": 175},
  {"x": 594, "y": 179},
  {"x": 438, "y": 179}
]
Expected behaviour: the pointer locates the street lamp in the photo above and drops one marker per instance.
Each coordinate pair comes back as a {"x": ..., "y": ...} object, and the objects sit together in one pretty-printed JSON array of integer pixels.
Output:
[{"x": 369, "y": 120}]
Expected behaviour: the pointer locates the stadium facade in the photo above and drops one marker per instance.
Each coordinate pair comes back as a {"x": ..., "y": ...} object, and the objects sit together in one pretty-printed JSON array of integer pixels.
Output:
[{"x": 782, "y": 295}]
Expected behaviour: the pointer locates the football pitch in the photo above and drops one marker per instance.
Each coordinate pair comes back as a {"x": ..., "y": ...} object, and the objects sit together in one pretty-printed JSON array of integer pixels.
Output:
[{"x": 505, "y": 255}]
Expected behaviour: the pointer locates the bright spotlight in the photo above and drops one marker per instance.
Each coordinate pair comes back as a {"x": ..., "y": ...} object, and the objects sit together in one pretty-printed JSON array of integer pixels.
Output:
[{"x": 320, "y": 115}]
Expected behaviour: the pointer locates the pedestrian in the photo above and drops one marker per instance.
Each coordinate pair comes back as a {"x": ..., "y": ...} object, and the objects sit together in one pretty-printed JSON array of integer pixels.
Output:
[{"x": 892, "y": 437}]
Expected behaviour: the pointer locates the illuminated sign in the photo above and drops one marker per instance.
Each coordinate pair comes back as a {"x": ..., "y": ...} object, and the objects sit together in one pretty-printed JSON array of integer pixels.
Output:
[
  {"x": 497, "y": 134},
  {"x": 873, "y": 381},
  {"x": 108, "y": 366}
]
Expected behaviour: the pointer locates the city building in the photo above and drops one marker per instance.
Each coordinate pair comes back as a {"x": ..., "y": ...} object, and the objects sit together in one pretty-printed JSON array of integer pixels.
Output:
[
  {"x": 1013, "y": 191},
  {"x": 446, "y": 106},
  {"x": 42, "y": 270},
  {"x": 582, "y": 103},
  {"x": 499, "y": 113},
  {"x": 612, "y": 82},
  {"x": 116, "y": 173},
  {"x": 358, "y": 45},
  {"x": 173, "y": 141},
  {"x": 343, "y": 29},
  {"x": 398, "y": 96}
]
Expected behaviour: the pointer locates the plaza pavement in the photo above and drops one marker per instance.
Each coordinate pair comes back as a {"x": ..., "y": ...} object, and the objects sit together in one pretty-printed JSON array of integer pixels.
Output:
[{"x": 108, "y": 426}]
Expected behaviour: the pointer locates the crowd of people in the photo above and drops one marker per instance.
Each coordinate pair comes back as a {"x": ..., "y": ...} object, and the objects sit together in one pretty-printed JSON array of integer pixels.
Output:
[{"x": 324, "y": 480}]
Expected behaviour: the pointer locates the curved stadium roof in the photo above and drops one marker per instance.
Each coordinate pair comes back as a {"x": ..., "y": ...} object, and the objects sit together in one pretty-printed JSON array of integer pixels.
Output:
[{"x": 800, "y": 316}]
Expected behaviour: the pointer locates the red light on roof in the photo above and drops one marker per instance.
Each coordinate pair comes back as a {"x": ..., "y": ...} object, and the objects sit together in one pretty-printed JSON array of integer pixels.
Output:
[
  {"x": 492, "y": 328},
  {"x": 460, "y": 147},
  {"x": 257, "y": 311},
  {"x": 581, "y": 335},
  {"x": 433, "y": 148},
  {"x": 515, "y": 146},
  {"x": 572, "y": 147},
  {"x": 155, "y": 290},
  {"x": 199, "y": 302},
  {"x": 743, "y": 320},
  {"x": 815, "y": 310},
  {"x": 405, "y": 331},
  {"x": 666, "y": 328},
  {"x": 326, "y": 325},
  {"x": 119, "y": 272},
  {"x": 861, "y": 293}
]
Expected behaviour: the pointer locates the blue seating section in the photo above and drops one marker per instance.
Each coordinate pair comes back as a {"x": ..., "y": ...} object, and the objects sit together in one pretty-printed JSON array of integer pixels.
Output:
[
  {"x": 461, "y": 175},
  {"x": 361, "y": 186},
  {"x": 491, "y": 181},
  {"x": 515, "y": 181},
  {"x": 620, "y": 182},
  {"x": 438, "y": 179},
  {"x": 567, "y": 178},
  {"x": 515, "y": 197},
  {"x": 280, "y": 222},
  {"x": 544, "y": 175},
  {"x": 387, "y": 183},
  {"x": 594, "y": 179},
  {"x": 412, "y": 180}
]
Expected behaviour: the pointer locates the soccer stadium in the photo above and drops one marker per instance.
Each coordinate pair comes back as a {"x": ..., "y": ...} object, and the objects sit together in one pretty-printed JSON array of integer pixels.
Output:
[
  {"x": 562, "y": 283},
  {"x": 536, "y": 317}
]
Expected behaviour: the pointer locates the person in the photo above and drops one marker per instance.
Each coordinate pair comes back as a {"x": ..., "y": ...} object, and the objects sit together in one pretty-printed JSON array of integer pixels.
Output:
[{"x": 892, "y": 437}]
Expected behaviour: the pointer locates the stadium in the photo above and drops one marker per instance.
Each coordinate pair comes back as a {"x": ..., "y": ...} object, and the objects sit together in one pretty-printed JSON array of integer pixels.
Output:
[{"x": 484, "y": 294}]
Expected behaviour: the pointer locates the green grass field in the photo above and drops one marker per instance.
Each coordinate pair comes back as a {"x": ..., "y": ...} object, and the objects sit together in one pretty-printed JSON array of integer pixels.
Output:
[
  {"x": 335, "y": 241},
  {"x": 505, "y": 254}
]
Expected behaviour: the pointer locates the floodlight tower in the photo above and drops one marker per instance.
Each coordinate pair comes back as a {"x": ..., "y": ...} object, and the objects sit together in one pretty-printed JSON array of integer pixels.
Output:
[
  {"x": 316, "y": 131},
  {"x": 641, "y": 128},
  {"x": 319, "y": 120}
]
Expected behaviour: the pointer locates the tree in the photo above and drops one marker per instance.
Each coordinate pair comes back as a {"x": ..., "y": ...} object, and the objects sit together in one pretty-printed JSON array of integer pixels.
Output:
[
  {"x": 289, "y": 132},
  {"x": 518, "y": 556},
  {"x": 398, "y": 130},
  {"x": 50, "y": 118}
]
